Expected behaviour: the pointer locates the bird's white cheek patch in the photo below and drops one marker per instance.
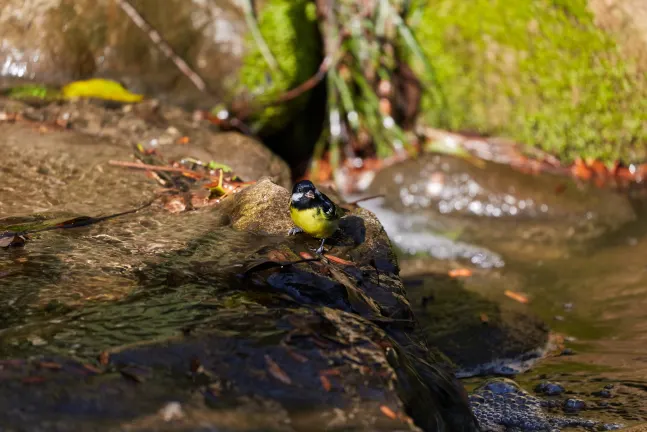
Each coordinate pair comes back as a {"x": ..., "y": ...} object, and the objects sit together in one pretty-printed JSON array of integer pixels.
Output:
[{"x": 297, "y": 196}]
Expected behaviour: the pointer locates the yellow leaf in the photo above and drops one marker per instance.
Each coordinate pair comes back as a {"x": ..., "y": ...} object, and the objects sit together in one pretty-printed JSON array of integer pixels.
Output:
[{"x": 99, "y": 89}]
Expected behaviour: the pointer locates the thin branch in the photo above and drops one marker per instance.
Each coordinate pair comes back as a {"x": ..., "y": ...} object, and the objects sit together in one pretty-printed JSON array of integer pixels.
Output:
[
  {"x": 293, "y": 93},
  {"x": 366, "y": 199},
  {"x": 162, "y": 45},
  {"x": 155, "y": 168},
  {"x": 308, "y": 84}
]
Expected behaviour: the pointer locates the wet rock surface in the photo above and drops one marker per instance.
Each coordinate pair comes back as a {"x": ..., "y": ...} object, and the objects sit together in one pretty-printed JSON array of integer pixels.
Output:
[
  {"x": 203, "y": 309},
  {"x": 151, "y": 124}
]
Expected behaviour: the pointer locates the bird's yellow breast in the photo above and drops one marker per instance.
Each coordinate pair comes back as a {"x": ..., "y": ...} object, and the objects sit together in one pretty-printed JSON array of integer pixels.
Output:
[{"x": 313, "y": 222}]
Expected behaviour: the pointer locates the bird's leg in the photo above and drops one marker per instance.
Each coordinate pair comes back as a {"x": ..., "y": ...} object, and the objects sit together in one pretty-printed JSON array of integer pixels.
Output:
[
  {"x": 320, "y": 250},
  {"x": 294, "y": 231}
]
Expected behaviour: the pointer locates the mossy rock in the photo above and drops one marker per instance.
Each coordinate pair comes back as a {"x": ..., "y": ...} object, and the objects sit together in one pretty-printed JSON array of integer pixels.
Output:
[
  {"x": 540, "y": 72},
  {"x": 289, "y": 28}
]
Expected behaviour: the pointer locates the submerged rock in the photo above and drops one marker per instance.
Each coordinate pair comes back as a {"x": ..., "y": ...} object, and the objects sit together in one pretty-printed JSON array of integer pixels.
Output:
[
  {"x": 487, "y": 213},
  {"x": 480, "y": 335},
  {"x": 462, "y": 187}
]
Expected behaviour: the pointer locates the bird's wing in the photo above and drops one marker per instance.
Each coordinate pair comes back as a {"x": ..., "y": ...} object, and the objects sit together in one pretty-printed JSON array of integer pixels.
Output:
[{"x": 329, "y": 208}]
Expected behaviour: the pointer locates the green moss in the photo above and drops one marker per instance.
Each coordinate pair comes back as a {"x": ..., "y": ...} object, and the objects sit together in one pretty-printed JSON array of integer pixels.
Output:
[
  {"x": 33, "y": 91},
  {"x": 290, "y": 30},
  {"x": 537, "y": 71}
]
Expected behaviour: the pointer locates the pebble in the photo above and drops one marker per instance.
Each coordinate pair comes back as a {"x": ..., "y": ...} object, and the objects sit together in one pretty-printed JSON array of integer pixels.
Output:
[
  {"x": 37, "y": 340},
  {"x": 172, "y": 411},
  {"x": 549, "y": 388},
  {"x": 572, "y": 404}
]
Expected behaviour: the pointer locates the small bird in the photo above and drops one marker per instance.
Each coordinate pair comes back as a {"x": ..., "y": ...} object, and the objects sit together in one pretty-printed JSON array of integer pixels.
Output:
[{"x": 313, "y": 213}]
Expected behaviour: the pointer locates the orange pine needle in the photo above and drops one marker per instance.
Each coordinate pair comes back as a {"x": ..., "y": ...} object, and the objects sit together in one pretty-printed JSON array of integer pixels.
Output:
[
  {"x": 338, "y": 260},
  {"x": 388, "y": 412},
  {"x": 460, "y": 272},
  {"x": 516, "y": 296},
  {"x": 305, "y": 255},
  {"x": 276, "y": 371},
  {"x": 325, "y": 382}
]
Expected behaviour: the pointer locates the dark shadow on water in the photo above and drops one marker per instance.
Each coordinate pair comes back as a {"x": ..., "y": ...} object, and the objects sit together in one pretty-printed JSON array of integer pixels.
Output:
[{"x": 470, "y": 329}]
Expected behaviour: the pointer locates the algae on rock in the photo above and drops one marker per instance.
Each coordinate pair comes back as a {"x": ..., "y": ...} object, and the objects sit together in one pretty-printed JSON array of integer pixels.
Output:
[
  {"x": 289, "y": 27},
  {"x": 540, "y": 72}
]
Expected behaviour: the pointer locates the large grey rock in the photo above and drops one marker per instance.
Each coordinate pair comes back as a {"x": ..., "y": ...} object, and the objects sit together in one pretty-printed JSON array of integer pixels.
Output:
[{"x": 57, "y": 41}]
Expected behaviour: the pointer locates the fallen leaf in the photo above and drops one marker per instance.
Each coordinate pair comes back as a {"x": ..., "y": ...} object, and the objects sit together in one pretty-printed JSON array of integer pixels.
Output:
[
  {"x": 50, "y": 365},
  {"x": 521, "y": 298},
  {"x": 175, "y": 205},
  {"x": 338, "y": 260},
  {"x": 276, "y": 255},
  {"x": 306, "y": 255},
  {"x": 388, "y": 412},
  {"x": 12, "y": 239},
  {"x": 325, "y": 383},
  {"x": 183, "y": 140},
  {"x": 298, "y": 357},
  {"x": 276, "y": 371},
  {"x": 580, "y": 170},
  {"x": 99, "y": 89},
  {"x": 597, "y": 167},
  {"x": 331, "y": 372},
  {"x": 484, "y": 318},
  {"x": 460, "y": 272},
  {"x": 33, "y": 380}
]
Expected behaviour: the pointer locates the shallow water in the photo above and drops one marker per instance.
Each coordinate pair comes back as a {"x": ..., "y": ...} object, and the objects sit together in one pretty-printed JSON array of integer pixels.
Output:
[{"x": 591, "y": 289}]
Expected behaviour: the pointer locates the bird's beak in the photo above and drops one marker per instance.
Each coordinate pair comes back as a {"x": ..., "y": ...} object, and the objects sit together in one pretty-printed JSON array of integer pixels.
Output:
[{"x": 310, "y": 195}]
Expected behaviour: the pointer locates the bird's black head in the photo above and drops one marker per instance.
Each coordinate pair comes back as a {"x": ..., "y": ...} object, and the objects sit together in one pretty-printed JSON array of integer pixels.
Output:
[{"x": 303, "y": 191}]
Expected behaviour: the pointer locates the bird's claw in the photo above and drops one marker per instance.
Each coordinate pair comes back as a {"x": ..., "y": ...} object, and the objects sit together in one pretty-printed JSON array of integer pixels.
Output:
[
  {"x": 320, "y": 249},
  {"x": 294, "y": 231}
]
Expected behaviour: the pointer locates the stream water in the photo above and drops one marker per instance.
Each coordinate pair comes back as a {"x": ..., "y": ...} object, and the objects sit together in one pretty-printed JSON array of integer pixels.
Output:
[{"x": 580, "y": 262}]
